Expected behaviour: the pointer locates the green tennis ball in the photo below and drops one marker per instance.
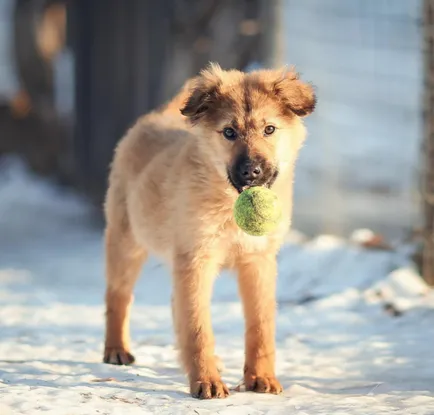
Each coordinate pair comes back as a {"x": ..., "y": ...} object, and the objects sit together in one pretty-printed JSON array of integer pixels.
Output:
[{"x": 257, "y": 211}]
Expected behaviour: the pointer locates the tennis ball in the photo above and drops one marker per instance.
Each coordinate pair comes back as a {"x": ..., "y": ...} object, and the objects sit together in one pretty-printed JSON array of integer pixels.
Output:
[{"x": 257, "y": 211}]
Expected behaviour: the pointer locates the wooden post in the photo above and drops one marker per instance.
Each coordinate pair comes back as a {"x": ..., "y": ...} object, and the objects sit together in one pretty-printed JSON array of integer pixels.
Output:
[{"x": 428, "y": 144}]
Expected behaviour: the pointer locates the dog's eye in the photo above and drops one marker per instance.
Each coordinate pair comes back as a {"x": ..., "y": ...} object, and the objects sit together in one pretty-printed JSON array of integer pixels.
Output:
[
  {"x": 269, "y": 129},
  {"x": 230, "y": 133}
]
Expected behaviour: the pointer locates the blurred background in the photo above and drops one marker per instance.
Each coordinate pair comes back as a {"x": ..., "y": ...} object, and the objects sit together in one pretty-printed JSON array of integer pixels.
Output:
[{"x": 74, "y": 75}]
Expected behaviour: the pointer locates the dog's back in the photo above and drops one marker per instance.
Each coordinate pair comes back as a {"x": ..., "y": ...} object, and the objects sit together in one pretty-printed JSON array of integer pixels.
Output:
[
  {"x": 147, "y": 149},
  {"x": 152, "y": 134}
]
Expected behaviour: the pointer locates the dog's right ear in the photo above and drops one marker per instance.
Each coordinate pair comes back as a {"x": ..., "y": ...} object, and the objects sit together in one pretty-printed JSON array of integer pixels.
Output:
[{"x": 203, "y": 93}]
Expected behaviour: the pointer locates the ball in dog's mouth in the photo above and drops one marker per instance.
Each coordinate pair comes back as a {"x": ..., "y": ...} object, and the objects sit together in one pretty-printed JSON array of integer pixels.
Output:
[{"x": 257, "y": 211}]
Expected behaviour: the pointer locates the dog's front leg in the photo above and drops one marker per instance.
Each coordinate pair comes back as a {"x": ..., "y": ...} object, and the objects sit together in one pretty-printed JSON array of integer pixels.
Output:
[
  {"x": 193, "y": 281},
  {"x": 257, "y": 284}
]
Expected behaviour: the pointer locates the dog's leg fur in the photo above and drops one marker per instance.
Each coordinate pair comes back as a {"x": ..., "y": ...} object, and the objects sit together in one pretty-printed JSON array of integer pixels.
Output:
[
  {"x": 218, "y": 361},
  {"x": 124, "y": 259},
  {"x": 257, "y": 285},
  {"x": 193, "y": 282}
]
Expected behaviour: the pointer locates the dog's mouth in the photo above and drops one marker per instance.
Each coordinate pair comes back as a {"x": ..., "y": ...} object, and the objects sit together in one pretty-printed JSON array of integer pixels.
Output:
[{"x": 241, "y": 187}]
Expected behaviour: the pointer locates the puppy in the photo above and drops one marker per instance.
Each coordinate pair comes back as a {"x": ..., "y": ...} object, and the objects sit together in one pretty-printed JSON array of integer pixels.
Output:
[{"x": 174, "y": 180}]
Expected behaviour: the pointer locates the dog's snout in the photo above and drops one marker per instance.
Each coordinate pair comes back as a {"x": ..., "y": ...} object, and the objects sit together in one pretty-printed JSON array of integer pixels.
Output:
[{"x": 250, "y": 171}]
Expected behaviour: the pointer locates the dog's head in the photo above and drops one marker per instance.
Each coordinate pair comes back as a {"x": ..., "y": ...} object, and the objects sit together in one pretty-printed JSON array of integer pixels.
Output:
[{"x": 250, "y": 122}]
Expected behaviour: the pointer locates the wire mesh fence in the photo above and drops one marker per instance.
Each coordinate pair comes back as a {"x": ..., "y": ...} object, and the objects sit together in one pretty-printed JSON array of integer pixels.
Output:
[{"x": 360, "y": 164}]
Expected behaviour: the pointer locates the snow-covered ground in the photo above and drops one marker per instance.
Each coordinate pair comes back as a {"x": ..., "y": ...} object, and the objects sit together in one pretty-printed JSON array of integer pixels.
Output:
[{"x": 340, "y": 349}]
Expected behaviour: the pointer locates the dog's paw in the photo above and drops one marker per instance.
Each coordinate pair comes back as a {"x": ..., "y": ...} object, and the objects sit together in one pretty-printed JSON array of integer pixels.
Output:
[
  {"x": 208, "y": 389},
  {"x": 262, "y": 384},
  {"x": 118, "y": 356}
]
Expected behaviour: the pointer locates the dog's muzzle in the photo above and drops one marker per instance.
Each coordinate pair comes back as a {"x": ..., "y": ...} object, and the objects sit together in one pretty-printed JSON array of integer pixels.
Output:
[{"x": 248, "y": 172}]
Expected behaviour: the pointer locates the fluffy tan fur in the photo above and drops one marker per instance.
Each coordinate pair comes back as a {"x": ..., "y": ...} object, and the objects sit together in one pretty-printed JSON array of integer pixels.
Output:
[{"x": 169, "y": 195}]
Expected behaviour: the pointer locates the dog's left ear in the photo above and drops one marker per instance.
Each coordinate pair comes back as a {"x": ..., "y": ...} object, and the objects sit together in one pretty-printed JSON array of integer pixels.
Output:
[
  {"x": 297, "y": 96},
  {"x": 203, "y": 93}
]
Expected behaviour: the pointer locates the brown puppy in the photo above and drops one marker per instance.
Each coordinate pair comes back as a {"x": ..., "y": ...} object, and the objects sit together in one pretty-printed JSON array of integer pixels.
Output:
[{"x": 174, "y": 180}]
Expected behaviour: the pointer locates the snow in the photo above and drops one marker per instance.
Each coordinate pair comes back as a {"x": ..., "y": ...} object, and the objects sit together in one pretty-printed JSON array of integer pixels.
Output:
[{"x": 355, "y": 326}]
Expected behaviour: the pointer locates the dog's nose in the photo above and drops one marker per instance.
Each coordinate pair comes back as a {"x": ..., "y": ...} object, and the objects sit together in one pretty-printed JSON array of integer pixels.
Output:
[{"x": 250, "y": 171}]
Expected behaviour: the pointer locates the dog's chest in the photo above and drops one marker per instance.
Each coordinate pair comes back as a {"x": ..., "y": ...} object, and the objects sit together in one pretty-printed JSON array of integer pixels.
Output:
[
  {"x": 231, "y": 238},
  {"x": 237, "y": 243},
  {"x": 248, "y": 243}
]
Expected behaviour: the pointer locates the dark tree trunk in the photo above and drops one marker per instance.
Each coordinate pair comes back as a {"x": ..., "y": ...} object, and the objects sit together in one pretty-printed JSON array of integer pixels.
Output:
[
  {"x": 119, "y": 53},
  {"x": 30, "y": 125}
]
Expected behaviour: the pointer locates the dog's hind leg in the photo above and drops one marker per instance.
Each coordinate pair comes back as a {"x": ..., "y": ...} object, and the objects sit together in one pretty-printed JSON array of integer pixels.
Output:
[{"x": 124, "y": 260}]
